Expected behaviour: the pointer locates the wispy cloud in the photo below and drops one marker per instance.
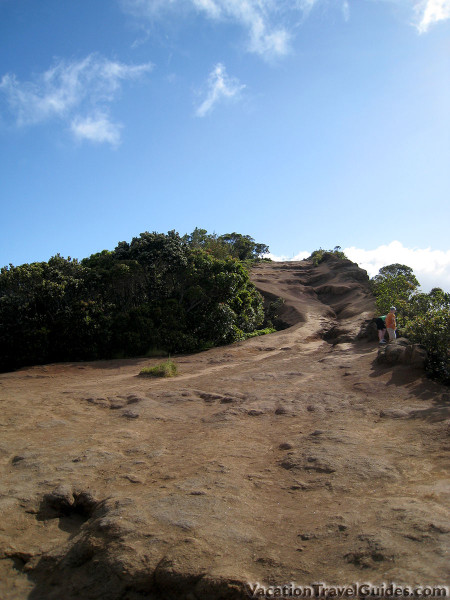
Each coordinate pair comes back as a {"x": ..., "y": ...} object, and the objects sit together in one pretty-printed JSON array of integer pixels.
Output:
[
  {"x": 220, "y": 87},
  {"x": 271, "y": 24},
  {"x": 346, "y": 10},
  {"x": 67, "y": 89},
  {"x": 268, "y": 23},
  {"x": 97, "y": 128},
  {"x": 431, "y": 267},
  {"x": 429, "y": 12}
]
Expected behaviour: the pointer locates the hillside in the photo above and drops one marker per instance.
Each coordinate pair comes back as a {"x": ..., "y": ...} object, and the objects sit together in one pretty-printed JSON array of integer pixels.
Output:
[{"x": 292, "y": 457}]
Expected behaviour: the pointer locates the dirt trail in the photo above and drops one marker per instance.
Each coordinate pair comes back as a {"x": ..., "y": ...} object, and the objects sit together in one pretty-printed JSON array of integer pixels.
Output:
[{"x": 283, "y": 458}]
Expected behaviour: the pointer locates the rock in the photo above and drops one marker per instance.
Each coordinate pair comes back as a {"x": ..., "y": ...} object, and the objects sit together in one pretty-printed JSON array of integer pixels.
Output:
[
  {"x": 307, "y": 462},
  {"x": 401, "y": 351},
  {"x": 285, "y": 446},
  {"x": 130, "y": 414},
  {"x": 394, "y": 413},
  {"x": 64, "y": 501},
  {"x": 254, "y": 412},
  {"x": 419, "y": 357},
  {"x": 368, "y": 331},
  {"x": 370, "y": 550},
  {"x": 60, "y": 500}
]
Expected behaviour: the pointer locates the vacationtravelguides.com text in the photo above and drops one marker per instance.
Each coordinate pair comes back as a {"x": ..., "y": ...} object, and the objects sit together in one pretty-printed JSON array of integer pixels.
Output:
[{"x": 355, "y": 590}]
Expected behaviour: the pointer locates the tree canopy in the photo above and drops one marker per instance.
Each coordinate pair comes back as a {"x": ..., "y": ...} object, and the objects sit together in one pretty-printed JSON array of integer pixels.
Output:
[
  {"x": 423, "y": 318},
  {"x": 159, "y": 291},
  {"x": 394, "y": 285}
]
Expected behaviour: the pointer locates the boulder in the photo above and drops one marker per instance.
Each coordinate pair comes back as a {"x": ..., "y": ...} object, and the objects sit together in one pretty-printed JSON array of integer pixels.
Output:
[
  {"x": 419, "y": 357},
  {"x": 402, "y": 352},
  {"x": 368, "y": 330}
]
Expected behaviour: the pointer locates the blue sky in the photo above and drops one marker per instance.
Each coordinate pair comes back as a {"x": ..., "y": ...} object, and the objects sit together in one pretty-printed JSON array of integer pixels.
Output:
[{"x": 303, "y": 123}]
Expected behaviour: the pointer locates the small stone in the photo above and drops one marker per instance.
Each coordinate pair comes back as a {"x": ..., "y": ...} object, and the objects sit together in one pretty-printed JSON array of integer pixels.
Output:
[
  {"x": 306, "y": 536},
  {"x": 285, "y": 446},
  {"x": 393, "y": 413},
  {"x": 255, "y": 413},
  {"x": 130, "y": 414},
  {"x": 133, "y": 478}
]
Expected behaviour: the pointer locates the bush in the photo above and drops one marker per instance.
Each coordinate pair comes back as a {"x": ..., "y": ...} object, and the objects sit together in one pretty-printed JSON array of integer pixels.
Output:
[
  {"x": 271, "y": 315},
  {"x": 165, "y": 369},
  {"x": 320, "y": 255},
  {"x": 259, "y": 332},
  {"x": 158, "y": 291},
  {"x": 423, "y": 318},
  {"x": 427, "y": 321}
]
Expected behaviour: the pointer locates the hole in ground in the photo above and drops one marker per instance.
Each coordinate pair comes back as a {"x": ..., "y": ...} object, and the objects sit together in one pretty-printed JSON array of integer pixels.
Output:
[{"x": 71, "y": 508}]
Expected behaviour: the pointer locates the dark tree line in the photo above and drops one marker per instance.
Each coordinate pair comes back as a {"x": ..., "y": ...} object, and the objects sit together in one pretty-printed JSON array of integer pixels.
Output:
[{"x": 160, "y": 291}]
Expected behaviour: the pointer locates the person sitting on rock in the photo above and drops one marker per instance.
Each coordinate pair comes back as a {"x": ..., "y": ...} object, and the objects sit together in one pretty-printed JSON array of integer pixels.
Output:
[
  {"x": 381, "y": 328},
  {"x": 391, "y": 324}
]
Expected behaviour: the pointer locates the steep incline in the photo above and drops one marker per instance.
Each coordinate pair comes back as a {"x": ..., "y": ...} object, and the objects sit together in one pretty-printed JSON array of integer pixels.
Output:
[
  {"x": 332, "y": 299},
  {"x": 280, "y": 459}
]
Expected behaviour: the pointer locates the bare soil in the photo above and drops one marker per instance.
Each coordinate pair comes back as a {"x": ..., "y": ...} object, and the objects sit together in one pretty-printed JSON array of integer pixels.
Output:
[{"x": 292, "y": 457}]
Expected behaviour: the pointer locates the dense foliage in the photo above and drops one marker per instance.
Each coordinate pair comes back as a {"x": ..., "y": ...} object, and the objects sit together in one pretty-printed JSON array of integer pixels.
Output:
[
  {"x": 423, "y": 318},
  {"x": 236, "y": 245},
  {"x": 158, "y": 291},
  {"x": 394, "y": 285},
  {"x": 320, "y": 255}
]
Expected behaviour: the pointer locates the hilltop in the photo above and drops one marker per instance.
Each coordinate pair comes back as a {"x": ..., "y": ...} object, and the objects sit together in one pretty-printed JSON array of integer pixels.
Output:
[{"x": 293, "y": 457}]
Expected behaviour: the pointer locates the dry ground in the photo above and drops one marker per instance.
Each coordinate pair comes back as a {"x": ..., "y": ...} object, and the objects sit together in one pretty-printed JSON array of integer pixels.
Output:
[{"x": 283, "y": 458}]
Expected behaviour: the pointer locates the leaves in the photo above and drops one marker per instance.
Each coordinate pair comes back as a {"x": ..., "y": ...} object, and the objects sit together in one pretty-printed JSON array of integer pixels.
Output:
[
  {"x": 158, "y": 291},
  {"x": 423, "y": 318}
]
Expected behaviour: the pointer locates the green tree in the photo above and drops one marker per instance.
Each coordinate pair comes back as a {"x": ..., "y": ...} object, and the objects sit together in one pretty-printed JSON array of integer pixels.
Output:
[
  {"x": 428, "y": 323},
  {"x": 243, "y": 247},
  {"x": 158, "y": 291},
  {"x": 424, "y": 318},
  {"x": 236, "y": 245},
  {"x": 394, "y": 286},
  {"x": 48, "y": 311}
]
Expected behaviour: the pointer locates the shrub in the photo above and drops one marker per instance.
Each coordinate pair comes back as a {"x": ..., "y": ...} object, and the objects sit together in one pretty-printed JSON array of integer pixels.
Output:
[
  {"x": 320, "y": 255},
  {"x": 423, "y": 318},
  {"x": 166, "y": 369},
  {"x": 159, "y": 291},
  {"x": 155, "y": 353},
  {"x": 259, "y": 332},
  {"x": 271, "y": 314},
  {"x": 428, "y": 323}
]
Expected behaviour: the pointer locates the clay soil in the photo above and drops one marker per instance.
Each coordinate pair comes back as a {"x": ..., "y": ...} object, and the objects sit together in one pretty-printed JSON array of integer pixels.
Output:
[{"x": 292, "y": 457}]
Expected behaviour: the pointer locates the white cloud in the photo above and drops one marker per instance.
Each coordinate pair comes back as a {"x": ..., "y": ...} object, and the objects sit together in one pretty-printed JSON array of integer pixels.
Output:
[
  {"x": 220, "y": 87},
  {"x": 268, "y": 23},
  {"x": 280, "y": 258},
  {"x": 68, "y": 87},
  {"x": 431, "y": 267},
  {"x": 98, "y": 129},
  {"x": 431, "y": 11}
]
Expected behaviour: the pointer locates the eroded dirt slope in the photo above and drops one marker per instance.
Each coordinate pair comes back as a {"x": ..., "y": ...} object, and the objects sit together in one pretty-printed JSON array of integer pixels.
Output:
[{"x": 283, "y": 458}]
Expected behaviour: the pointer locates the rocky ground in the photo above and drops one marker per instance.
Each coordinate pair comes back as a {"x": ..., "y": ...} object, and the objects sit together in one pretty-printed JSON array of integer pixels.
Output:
[{"x": 293, "y": 457}]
